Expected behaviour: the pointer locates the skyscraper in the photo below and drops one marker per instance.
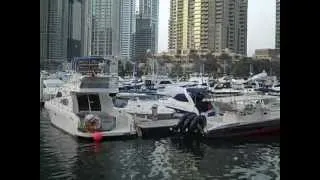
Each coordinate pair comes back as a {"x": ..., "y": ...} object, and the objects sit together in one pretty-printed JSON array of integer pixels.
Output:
[
  {"x": 277, "y": 24},
  {"x": 57, "y": 30},
  {"x": 44, "y": 13},
  {"x": 127, "y": 28},
  {"x": 73, "y": 20},
  {"x": 86, "y": 19},
  {"x": 105, "y": 28},
  {"x": 78, "y": 28},
  {"x": 149, "y": 9},
  {"x": 64, "y": 26},
  {"x": 208, "y": 25},
  {"x": 143, "y": 37}
]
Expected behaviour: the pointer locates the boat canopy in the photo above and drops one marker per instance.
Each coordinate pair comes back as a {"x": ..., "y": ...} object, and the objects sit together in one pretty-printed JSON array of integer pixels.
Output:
[
  {"x": 91, "y": 64},
  {"x": 53, "y": 83},
  {"x": 96, "y": 82}
]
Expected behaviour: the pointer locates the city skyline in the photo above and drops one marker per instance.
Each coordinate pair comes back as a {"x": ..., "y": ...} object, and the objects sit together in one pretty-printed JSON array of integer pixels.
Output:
[
  {"x": 64, "y": 29},
  {"x": 261, "y": 25},
  {"x": 69, "y": 40}
]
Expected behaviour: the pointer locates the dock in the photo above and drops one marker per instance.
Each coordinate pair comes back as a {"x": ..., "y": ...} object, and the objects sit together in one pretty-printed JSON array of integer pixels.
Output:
[{"x": 154, "y": 128}]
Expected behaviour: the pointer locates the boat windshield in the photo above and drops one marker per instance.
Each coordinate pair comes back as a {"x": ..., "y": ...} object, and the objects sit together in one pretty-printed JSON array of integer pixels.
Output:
[
  {"x": 181, "y": 97},
  {"x": 101, "y": 82},
  {"x": 89, "y": 102},
  {"x": 165, "y": 82}
]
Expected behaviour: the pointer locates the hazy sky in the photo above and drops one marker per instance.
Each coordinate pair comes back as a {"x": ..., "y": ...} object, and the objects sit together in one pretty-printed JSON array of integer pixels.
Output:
[{"x": 261, "y": 24}]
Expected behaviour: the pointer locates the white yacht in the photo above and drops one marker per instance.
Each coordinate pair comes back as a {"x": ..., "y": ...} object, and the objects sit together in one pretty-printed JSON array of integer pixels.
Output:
[
  {"x": 144, "y": 105},
  {"x": 215, "y": 120},
  {"x": 51, "y": 88},
  {"x": 156, "y": 81},
  {"x": 228, "y": 86},
  {"x": 88, "y": 107},
  {"x": 252, "y": 118}
]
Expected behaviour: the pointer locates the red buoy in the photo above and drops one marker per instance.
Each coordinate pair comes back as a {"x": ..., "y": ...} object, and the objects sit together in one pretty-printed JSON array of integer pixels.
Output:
[{"x": 97, "y": 136}]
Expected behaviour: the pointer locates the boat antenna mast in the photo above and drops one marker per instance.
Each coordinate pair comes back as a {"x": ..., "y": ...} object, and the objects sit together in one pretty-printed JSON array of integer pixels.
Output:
[{"x": 102, "y": 67}]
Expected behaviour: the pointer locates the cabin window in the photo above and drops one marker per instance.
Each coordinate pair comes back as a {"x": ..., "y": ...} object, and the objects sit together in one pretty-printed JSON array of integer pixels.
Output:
[
  {"x": 148, "y": 83},
  {"x": 248, "y": 86},
  {"x": 165, "y": 82},
  {"x": 227, "y": 85},
  {"x": 95, "y": 83},
  {"x": 89, "y": 102},
  {"x": 181, "y": 97}
]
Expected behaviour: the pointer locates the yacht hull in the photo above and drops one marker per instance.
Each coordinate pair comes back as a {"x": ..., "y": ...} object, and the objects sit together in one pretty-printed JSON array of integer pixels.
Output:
[
  {"x": 68, "y": 123},
  {"x": 247, "y": 130}
]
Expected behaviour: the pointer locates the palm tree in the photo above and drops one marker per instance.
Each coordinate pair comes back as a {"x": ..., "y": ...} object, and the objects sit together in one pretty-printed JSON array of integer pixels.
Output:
[
  {"x": 211, "y": 64},
  {"x": 225, "y": 60}
]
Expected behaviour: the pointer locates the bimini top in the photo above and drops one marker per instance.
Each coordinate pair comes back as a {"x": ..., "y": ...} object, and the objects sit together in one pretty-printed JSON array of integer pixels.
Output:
[
  {"x": 53, "y": 83},
  {"x": 85, "y": 65},
  {"x": 95, "y": 84}
]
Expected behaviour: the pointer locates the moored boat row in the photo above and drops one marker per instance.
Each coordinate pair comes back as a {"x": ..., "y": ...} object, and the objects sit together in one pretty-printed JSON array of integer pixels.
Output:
[{"x": 91, "y": 104}]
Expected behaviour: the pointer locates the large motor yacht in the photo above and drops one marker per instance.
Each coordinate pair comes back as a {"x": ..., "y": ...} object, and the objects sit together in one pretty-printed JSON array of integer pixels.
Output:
[{"x": 88, "y": 108}]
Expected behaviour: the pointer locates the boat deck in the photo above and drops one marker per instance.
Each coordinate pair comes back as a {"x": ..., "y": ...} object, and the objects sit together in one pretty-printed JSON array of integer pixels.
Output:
[{"x": 229, "y": 121}]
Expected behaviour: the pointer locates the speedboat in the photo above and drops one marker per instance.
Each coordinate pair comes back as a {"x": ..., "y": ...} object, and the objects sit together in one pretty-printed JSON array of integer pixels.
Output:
[
  {"x": 156, "y": 81},
  {"x": 254, "y": 117},
  {"x": 88, "y": 107},
  {"x": 229, "y": 86},
  {"x": 179, "y": 101},
  {"x": 224, "y": 89}
]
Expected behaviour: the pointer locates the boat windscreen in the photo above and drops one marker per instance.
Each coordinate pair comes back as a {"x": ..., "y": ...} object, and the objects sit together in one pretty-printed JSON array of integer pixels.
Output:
[
  {"x": 165, "y": 82},
  {"x": 89, "y": 102},
  {"x": 181, "y": 97},
  {"x": 95, "y": 83}
]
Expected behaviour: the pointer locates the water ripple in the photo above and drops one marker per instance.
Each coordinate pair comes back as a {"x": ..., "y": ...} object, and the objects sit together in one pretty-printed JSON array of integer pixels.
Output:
[{"x": 62, "y": 157}]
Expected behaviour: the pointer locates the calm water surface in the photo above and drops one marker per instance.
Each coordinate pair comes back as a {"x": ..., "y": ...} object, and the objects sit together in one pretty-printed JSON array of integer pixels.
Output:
[{"x": 62, "y": 157}]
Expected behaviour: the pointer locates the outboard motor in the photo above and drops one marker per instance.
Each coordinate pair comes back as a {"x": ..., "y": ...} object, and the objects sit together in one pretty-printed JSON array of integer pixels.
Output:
[
  {"x": 59, "y": 94},
  {"x": 191, "y": 125}
]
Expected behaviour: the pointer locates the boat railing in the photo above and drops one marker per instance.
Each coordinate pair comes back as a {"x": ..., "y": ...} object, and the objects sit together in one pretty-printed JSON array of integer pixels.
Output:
[{"x": 57, "y": 101}]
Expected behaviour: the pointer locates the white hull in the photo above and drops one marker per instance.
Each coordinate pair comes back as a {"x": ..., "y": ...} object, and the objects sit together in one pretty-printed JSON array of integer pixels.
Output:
[
  {"x": 234, "y": 118},
  {"x": 68, "y": 122}
]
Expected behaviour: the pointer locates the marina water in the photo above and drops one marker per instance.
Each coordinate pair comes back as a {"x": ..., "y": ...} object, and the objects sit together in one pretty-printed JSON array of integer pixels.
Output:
[{"x": 62, "y": 157}]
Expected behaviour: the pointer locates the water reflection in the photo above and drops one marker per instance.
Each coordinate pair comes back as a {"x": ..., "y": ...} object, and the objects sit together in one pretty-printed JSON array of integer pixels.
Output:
[
  {"x": 62, "y": 157},
  {"x": 58, "y": 151}
]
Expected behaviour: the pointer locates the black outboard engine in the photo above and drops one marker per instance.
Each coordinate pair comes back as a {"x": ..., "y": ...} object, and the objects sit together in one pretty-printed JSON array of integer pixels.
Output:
[
  {"x": 191, "y": 125},
  {"x": 59, "y": 94}
]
